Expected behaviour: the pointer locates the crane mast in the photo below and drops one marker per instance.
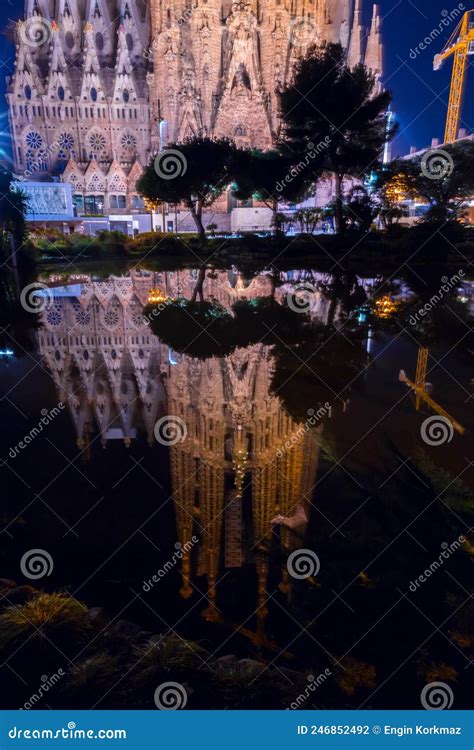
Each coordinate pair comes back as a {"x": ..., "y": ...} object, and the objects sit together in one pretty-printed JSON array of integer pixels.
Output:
[{"x": 460, "y": 45}]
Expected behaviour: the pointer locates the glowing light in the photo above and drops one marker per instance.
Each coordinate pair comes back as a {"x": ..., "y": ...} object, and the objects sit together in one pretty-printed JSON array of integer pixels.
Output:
[
  {"x": 156, "y": 296},
  {"x": 385, "y": 307}
]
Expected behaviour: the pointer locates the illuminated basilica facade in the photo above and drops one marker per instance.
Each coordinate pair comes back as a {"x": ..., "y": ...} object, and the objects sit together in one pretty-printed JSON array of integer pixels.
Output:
[
  {"x": 117, "y": 380},
  {"x": 101, "y": 85}
]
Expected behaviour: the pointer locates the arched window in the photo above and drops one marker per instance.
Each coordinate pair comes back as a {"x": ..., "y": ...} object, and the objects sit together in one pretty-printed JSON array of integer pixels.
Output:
[
  {"x": 27, "y": 92},
  {"x": 126, "y": 96},
  {"x": 129, "y": 42},
  {"x": 99, "y": 41},
  {"x": 69, "y": 39},
  {"x": 60, "y": 93},
  {"x": 93, "y": 94}
]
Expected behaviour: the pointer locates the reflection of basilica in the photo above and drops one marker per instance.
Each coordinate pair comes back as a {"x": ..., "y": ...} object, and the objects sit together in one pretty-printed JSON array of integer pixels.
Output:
[{"x": 118, "y": 379}]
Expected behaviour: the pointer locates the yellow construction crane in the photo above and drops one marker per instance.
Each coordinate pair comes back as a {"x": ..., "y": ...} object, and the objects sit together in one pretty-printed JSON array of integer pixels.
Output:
[
  {"x": 460, "y": 44},
  {"x": 419, "y": 388}
]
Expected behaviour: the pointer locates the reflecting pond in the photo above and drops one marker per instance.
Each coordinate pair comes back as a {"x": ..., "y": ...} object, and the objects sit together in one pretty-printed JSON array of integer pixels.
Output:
[{"x": 234, "y": 459}]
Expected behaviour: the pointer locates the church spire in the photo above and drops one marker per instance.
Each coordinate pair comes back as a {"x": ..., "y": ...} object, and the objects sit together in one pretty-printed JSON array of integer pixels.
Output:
[
  {"x": 373, "y": 52},
  {"x": 354, "y": 56}
]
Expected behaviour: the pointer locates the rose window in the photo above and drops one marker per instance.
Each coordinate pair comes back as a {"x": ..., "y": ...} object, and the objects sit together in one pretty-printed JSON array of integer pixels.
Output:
[
  {"x": 66, "y": 141},
  {"x": 111, "y": 318},
  {"x": 53, "y": 317},
  {"x": 128, "y": 141},
  {"x": 34, "y": 140},
  {"x": 97, "y": 141},
  {"x": 83, "y": 318}
]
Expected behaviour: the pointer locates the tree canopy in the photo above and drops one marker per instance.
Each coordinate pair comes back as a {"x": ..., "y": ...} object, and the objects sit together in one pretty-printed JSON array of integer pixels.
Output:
[
  {"x": 337, "y": 111},
  {"x": 195, "y": 172}
]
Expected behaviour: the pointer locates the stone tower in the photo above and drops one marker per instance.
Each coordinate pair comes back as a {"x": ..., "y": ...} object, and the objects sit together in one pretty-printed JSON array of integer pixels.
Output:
[
  {"x": 218, "y": 65},
  {"x": 78, "y": 97},
  {"x": 101, "y": 85}
]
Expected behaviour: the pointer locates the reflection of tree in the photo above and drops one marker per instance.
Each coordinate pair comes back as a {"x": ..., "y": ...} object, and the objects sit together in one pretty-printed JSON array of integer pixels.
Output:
[
  {"x": 206, "y": 329},
  {"x": 317, "y": 367},
  {"x": 313, "y": 363}
]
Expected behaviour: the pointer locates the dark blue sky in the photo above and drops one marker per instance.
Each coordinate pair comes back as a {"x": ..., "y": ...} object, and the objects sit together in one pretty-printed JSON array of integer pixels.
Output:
[{"x": 420, "y": 94}]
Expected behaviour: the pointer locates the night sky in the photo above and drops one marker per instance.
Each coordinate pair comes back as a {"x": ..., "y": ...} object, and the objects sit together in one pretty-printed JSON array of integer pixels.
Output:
[{"x": 420, "y": 94}]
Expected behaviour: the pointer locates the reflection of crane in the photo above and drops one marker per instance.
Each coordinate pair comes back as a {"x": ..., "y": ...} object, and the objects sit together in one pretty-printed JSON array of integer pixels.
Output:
[
  {"x": 460, "y": 44},
  {"x": 419, "y": 387}
]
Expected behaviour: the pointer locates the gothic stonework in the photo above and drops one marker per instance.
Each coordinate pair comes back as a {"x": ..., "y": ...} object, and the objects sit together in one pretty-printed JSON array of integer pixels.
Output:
[
  {"x": 219, "y": 65},
  {"x": 81, "y": 98},
  {"x": 111, "y": 82}
]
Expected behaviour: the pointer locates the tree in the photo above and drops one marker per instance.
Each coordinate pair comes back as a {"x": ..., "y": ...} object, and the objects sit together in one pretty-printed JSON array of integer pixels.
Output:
[
  {"x": 13, "y": 207},
  {"x": 195, "y": 172},
  {"x": 443, "y": 178},
  {"x": 361, "y": 210},
  {"x": 308, "y": 218},
  {"x": 269, "y": 177},
  {"x": 391, "y": 192},
  {"x": 337, "y": 112}
]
